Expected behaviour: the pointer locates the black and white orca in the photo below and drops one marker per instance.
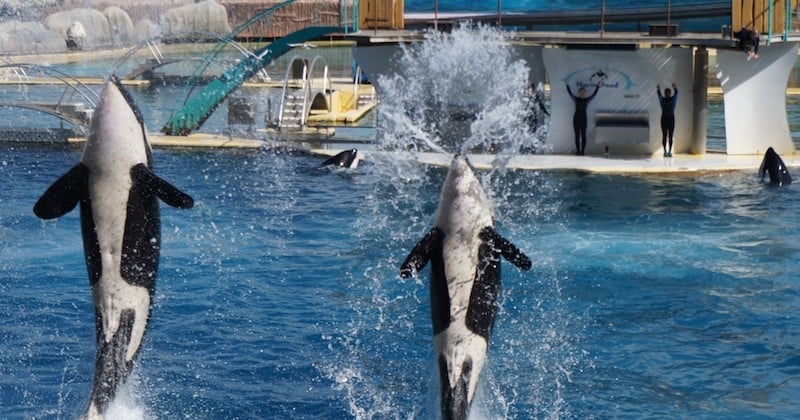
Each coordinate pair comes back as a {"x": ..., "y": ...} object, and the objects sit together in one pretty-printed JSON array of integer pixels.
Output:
[
  {"x": 120, "y": 222},
  {"x": 774, "y": 166},
  {"x": 464, "y": 251},
  {"x": 344, "y": 160}
]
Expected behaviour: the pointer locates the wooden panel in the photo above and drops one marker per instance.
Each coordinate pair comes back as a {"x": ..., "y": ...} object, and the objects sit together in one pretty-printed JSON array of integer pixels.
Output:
[
  {"x": 747, "y": 13},
  {"x": 778, "y": 17},
  {"x": 760, "y": 15},
  {"x": 381, "y": 14},
  {"x": 736, "y": 14}
]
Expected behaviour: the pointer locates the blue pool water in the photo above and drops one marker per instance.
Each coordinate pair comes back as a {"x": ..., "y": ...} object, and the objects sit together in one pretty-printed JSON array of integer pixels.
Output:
[{"x": 279, "y": 296}]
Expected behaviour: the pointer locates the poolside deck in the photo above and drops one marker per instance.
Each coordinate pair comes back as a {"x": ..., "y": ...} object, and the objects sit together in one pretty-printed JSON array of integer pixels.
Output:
[{"x": 656, "y": 164}]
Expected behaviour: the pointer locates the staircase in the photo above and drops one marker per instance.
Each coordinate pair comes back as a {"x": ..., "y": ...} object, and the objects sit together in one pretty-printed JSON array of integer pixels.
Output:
[{"x": 293, "y": 112}]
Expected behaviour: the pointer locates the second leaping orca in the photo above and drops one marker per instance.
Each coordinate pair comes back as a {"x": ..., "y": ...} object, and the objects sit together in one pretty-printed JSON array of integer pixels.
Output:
[
  {"x": 464, "y": 250},
  {"x": 118, "y": 195}
]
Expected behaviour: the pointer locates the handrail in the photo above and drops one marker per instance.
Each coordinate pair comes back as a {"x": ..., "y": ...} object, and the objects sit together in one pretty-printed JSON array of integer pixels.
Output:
[
  {"x": 356, "y": 84},
  {"x": 80, "y": 125},
  {"x": 586, "y": 16},
  {"x": 343, "y": 13},
  {"x": 196, "y": 111},
  {"x": 306, "y": 86},
  {"x": 60, "y": 76},
  {"x": 286, "y": 85},
  {"x": 327, "y": 84}
]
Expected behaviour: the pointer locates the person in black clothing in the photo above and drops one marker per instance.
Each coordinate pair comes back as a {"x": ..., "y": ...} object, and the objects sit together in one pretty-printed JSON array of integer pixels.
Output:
[
  {"x": 748, "y": 41},
  {"x": 579, "y": 119},
  {"x": 667, "y": 102},
  {"x": 535, "y": 108}
]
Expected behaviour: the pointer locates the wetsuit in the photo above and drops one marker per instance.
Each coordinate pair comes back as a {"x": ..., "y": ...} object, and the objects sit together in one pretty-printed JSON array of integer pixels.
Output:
[
  {"x": 579, "y": 120},
  {"x": 748, "y": 40},
  {"x": 667, "y": 118}
]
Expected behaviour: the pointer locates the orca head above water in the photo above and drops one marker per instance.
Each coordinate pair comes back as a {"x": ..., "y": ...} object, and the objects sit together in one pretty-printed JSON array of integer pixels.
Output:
[
  {"x": 773, "y": 165},
  {"x": 346, "y": 159},
  {"x": 463, "y": 203},
  {"x": 117, "y": 136}
]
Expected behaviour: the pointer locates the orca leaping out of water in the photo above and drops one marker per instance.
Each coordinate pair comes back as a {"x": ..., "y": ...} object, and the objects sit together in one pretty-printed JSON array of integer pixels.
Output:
[
  {"x": 774, "y": 166},
  {"x": 464, "y": 251},
  {"x": 344, "y": 160},
  {"x": 120, "y": 222}
]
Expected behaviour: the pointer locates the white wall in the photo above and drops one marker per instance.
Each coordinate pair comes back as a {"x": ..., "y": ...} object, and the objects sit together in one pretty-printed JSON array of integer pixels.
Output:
[
  {"x": 754, "y": 92},
  {"x": 629, "y": 85}
]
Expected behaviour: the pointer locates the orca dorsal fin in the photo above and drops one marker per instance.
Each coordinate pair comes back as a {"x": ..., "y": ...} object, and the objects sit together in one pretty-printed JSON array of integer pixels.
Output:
[
  {"x": 61, "y": 197},
  {"x": 508, "y": 250},
  {"x": 421, "y": 253},
  {"x": 161, "y": 188}
]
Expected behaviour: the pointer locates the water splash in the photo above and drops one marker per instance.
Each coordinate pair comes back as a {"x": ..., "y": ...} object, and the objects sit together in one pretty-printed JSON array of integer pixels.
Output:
[{"x": 465, "y": 91}]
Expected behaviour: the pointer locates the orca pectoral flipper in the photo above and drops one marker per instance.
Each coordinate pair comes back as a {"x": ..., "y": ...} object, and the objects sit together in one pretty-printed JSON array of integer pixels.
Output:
[
  {"x": 508, "y": 250},
  {"x": 161, "y": 188},
  {"x": 421, "y": 253},
  {"x": 61, "y": 197}
]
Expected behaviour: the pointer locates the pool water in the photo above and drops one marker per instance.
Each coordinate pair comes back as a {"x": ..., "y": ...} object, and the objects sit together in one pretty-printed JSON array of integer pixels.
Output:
[{"x": 279, "y": 295}]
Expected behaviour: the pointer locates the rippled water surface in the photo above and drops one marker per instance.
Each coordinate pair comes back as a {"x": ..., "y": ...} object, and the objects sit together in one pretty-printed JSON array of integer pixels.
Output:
[{"x": 279, "y": 297}]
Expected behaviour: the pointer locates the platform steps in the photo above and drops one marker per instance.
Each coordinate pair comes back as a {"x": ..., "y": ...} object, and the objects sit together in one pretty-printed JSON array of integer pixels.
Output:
[
  {"x": 366, "y": 99},
  {"x": 293, "y": 116}
]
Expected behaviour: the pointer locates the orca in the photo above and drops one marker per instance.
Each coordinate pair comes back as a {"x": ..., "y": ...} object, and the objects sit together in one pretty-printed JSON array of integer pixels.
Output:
[
  {"x": 343, "y": 160},
  {"x": 464, "y": 250},
  {"x": 118, "y": 195},
  {"x": 774, "y": 166}
]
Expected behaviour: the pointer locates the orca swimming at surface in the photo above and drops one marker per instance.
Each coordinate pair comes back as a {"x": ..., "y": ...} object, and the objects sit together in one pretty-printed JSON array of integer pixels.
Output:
[
  {"x": 464, "y": 251},
  {"x": 346, "y": 159},
  {"x": 773, "y": 165},
  {"x": 118, "y": 195}
]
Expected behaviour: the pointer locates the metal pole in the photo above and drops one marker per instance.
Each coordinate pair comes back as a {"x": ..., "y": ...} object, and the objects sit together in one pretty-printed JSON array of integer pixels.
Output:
[
  {"x": 669, "y": 18},
  {"x": 699, "y": 102},
  {"x": 602, "y": 17},
  {"x": 499, "y": 13},
  {"x": 435, "y": 15},
  {"x": 769, "y": 23},
  {"x": 788, "y": 24}
]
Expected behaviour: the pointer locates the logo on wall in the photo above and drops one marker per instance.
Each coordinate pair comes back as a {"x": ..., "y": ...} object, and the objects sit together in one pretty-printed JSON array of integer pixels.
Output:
[{"x": 591, "y": 77}]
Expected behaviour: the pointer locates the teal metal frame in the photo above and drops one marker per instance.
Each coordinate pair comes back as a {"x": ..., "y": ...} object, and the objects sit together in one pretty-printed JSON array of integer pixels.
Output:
[{"x": 199, "y": 107}]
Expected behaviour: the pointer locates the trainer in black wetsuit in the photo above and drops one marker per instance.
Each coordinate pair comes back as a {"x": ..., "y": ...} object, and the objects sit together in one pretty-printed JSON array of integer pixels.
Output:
[
  {"x": 579, "y": 120},
  {"x": 667, "y": 103},
  {"x": 748, "y": 41}
]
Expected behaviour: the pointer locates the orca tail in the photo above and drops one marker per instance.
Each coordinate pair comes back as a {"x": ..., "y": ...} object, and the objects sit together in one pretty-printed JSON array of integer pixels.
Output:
[
  {"x": 111, "y": 365},
  {"x": 455, "y": 399}
]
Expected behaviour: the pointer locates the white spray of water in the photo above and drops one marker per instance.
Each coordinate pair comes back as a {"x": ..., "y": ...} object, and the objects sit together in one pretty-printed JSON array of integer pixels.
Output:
[
  {"x": 458, "y": 92},
  {"x": 472, "y": 69}
]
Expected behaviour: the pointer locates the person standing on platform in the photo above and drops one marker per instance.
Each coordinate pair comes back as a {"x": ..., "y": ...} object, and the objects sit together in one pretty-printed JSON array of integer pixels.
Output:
[
  {"x": 536, "y": 110},
  {"x": 667, "y": 102},
  {"x": 579, "y": 119}
]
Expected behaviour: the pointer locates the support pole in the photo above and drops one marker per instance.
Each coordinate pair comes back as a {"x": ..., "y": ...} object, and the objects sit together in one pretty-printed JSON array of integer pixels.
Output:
[
  {"x": 769, "y": 23},
  {"x": 699, "y": 102}
]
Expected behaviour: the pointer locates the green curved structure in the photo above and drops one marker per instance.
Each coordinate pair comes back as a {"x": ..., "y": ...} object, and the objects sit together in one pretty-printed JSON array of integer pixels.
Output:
[{"x": 198, "y": 108}]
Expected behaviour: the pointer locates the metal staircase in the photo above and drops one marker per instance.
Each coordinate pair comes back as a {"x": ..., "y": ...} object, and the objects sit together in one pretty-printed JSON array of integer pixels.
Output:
[
  {"x": 293, "y": 112},
  {"x": 199, "y": 107},
  {"x": 296, "y": 103}
]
